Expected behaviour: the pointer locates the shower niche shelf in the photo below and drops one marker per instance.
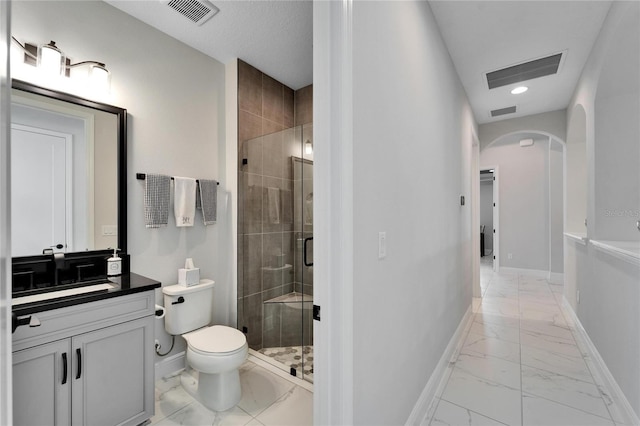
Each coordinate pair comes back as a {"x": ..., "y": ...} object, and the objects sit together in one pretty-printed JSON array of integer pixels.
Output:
[{"x": 293, "y": 300}]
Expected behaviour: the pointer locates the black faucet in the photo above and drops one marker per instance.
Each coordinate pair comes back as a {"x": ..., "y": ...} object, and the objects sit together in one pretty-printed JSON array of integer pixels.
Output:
[{"x": 58, "y": 258}]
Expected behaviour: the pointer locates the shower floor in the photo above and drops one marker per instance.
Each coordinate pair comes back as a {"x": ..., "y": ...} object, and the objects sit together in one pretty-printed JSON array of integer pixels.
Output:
[{"x": 293, "y": 356}]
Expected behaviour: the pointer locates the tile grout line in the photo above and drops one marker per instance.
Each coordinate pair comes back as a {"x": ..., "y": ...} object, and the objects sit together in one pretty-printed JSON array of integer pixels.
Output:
[
  {"x": 520, "y": 281},
  {"x": 469, "y": 409},
  {"x": 571, "y": 407}
]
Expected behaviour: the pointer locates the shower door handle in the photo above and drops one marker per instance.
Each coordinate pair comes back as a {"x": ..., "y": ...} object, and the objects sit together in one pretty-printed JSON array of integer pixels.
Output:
[{"x": 304, "y": 256}]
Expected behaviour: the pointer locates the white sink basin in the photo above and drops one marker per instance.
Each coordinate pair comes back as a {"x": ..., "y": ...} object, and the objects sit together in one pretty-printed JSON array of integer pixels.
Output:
[{"x": 61, "y": 293}]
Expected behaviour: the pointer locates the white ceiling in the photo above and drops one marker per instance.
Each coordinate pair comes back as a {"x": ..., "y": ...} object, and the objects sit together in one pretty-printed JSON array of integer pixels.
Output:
[
  {"x": 274, "y": 36},
  {"x": 481, "y": 36},
  {"x": 484, "y": 36}
]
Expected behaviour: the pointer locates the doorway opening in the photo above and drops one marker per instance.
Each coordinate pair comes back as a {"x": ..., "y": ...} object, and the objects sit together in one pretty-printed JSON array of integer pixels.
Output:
[{"x": 489, "y": 240}]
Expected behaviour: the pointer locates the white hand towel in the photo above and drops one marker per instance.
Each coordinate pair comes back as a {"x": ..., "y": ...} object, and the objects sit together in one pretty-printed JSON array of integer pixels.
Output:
[{"x": 184, "y": 200}]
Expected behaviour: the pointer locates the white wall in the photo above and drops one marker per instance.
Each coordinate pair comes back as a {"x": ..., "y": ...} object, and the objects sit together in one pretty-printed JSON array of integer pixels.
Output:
[
  {"x": 553, "y": 123},
  {"x": 576, "y": 171},
  {"x": 617, "y": 136},
  {"x": 523, "y": 200},
  {"x": 556, "y": 209},
  {"x": 174, "y": 96},
  {"x": 486, "y": 214},
  {"x": 411, "y": 128},
  {"x": 609, "y": 291}
]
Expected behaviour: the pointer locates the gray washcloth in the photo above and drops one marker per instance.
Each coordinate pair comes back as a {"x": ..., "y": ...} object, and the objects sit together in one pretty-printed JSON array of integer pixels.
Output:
[
  {"x": 207, "y": 200},
  {"x": 156, "y": 200}
]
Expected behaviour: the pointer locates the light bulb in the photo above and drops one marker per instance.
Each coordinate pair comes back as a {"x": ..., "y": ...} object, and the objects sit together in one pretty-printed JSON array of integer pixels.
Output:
[
  {"x": 519, "y": 89},
  {"x": 50, "y": 59},
  {"x": 99, "y": 78}
]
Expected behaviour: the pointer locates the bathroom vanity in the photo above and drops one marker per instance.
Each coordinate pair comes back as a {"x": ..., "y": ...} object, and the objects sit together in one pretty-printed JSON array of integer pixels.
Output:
[
  {"x": 83, "y": 341},
  {"x": 86, "y": 359}
]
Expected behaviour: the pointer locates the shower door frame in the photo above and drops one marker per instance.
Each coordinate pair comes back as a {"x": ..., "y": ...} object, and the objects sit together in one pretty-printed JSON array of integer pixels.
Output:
[{"x": 276, "y": 312}]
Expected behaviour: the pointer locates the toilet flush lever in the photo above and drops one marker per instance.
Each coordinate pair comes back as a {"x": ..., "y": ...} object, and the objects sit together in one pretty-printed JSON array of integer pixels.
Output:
[{"x": 180, "y": 300}]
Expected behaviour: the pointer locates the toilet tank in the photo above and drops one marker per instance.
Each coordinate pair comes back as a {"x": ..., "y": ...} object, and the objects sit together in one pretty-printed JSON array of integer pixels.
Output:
[{"x": 187, "y": 308}]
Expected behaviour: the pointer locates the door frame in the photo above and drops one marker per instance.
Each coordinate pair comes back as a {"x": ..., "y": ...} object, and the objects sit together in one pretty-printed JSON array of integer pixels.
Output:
[{"x": 496, "y": 216}]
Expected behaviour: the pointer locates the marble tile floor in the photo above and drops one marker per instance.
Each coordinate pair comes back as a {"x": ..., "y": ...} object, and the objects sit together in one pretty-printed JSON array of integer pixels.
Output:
[
  {"x": 521, "y": 362},
  {"x": 267, "y": 399}
]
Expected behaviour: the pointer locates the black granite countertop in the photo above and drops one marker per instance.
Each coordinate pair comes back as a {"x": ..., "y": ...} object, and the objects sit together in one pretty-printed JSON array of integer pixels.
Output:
[{"x": 122, "y": 285}]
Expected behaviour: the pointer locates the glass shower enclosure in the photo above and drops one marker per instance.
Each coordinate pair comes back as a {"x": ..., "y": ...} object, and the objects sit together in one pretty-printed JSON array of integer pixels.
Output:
[{"x": 275, "y": 248}]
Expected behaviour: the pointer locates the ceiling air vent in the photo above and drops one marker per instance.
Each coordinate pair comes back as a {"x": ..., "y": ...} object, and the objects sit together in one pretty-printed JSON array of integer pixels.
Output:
[
  {"x": 197, "y": 11},
  {"x": 525, "y": 71},
  {"x": 503, "y": 111}
]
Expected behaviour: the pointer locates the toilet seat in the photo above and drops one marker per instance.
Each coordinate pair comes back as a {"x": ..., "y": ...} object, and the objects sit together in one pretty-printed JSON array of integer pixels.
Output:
[{"x": 216, "y": 339}]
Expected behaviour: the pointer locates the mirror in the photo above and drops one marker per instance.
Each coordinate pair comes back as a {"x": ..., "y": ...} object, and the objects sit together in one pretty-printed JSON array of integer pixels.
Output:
[{"x": 68, "y": 173}]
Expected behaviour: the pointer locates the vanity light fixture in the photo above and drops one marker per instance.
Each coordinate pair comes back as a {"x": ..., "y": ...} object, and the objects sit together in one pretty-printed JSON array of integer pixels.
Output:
[
  {"x": 52, "y": 61},
  {"x": 518, "y": 90},
  {"x": 97, "y": 75},
  {"x": 308, "y": 147}
]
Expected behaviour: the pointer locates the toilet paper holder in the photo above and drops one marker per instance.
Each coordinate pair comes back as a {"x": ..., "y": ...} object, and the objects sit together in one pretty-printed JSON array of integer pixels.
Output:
[{"x": 160, "y": 311}]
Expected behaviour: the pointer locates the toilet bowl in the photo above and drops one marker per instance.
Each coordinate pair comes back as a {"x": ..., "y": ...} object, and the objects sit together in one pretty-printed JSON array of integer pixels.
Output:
[{"x": 215, "y": 352}]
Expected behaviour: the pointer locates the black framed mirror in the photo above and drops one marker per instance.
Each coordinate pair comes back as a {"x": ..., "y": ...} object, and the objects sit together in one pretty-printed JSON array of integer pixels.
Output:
[{"x": 72, "y": 198}]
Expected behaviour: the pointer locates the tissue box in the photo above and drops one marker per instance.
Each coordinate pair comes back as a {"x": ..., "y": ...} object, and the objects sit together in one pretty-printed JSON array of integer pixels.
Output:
[{"x": 188, "y": 277}]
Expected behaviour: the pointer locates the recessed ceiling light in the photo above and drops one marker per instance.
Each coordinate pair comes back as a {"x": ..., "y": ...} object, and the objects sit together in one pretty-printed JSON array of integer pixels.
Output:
[{"x": 519, "y": 89}]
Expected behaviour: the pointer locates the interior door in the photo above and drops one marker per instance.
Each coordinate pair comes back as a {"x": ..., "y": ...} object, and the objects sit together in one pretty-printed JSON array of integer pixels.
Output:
[{"x": 41, "y": 190}]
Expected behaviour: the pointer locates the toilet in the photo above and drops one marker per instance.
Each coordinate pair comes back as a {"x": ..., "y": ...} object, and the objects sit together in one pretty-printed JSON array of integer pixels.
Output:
[{"x": 216, "y": 352}]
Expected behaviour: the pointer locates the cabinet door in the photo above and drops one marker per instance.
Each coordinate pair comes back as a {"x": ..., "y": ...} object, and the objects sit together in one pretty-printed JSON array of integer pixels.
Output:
[
  {"x": 112, "y": 374},
  {"x": 42, "y": 385}
]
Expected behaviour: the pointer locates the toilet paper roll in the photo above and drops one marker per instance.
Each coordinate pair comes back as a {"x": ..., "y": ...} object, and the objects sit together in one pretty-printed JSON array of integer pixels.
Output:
[{"x": 160, "y": 311}]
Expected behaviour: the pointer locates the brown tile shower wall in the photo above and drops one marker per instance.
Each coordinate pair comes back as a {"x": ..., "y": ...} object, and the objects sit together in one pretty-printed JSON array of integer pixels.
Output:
[
  {"x": 266, "y": 107},
  {"x": 303, "y": 104}
]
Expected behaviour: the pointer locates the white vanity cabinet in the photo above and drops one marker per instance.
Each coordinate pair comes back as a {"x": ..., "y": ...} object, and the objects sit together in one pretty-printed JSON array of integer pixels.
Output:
[
  {"x": 89, "y": 364},
  {"x": 39, "y": 395}
]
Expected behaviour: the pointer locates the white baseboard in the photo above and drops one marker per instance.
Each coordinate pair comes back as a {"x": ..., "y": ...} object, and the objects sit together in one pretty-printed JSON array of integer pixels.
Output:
[
  {"x": 531, "y": 272},
  {"x": 422, "y": 410},
  {"x": 170, "y": 365},
  {"x": 620, "y": 409},
  {"x": 556, "y": 278}
]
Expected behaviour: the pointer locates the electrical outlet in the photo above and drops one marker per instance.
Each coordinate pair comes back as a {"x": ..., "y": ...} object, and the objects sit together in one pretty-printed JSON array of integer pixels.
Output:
[
  {"x": 510, "y": 256},
  {"x": 109, "y": 230}
]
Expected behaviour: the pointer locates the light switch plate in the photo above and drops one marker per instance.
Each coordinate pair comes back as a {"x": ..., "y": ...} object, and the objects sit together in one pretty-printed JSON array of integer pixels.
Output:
[{"x": 382, "y": 245}]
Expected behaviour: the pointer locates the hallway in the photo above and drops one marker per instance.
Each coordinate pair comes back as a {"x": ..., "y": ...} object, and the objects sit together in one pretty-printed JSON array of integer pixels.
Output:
[{"x": 521, "y": 362}]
